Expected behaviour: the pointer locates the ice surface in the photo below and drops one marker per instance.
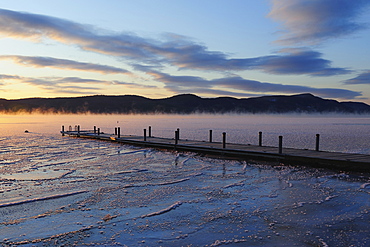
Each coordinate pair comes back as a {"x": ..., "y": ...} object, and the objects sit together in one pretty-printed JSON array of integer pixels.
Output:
[
  {"x": 36, "y": 174},
  {"x": 129, "y": 196},
  {"x": 13, "y": 203},
  {"x": 162, "y": 211},
  {"x": 58, "y": 191}
]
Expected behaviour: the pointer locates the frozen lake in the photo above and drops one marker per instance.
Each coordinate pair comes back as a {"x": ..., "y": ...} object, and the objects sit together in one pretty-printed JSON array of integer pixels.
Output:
[{"x": 58, "y": 190}]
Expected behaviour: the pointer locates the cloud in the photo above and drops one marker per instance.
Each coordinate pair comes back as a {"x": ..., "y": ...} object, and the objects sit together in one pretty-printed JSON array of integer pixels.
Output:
[
  {"x": 37, "y": 27},
  {"x": 229, "y": 86},
  {"x": 68, "y": 84},
  {"x": 48, "y": 81},
  {"x": 132, "y": 85},
  {"x": 9, "y": 77},
  {"x": 314, "y": 21},
  {"x": 193, "y": 84},
  {"x": 188, "y": 55},
  {"x": 239, "y": 86},
  {"x": 180, "y": 81},
  {"x": 171, "y": 49},
  {"x": 299, "y": 61},
  {"x": 363, "y": 78},
  {"x": 55, "y": 63},
  {"x": 257, "y": 86}
]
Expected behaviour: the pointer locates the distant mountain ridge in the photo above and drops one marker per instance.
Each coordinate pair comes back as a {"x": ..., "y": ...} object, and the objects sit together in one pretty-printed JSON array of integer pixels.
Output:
[{"x": 182, "y": 104}]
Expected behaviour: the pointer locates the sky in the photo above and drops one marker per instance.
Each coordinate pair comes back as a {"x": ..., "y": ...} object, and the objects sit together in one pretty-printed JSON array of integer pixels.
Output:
[{"x": 161, "y": 48}]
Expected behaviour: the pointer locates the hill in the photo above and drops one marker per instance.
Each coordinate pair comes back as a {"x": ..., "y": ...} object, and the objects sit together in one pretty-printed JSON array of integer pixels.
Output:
[{"x": 182, "y": 104}]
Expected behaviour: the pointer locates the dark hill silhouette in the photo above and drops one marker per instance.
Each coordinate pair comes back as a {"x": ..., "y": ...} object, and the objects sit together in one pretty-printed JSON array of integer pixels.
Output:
[{"x": 182, "y": 104}]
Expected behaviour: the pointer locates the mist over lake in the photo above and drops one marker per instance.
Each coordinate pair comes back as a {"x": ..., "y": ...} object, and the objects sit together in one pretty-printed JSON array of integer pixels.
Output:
[
  {"x": 341, "y": 133},
  {"x": 58, "y": 190}
]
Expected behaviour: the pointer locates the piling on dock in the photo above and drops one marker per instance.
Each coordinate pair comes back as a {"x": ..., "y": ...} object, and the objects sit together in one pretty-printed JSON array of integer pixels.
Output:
[
  {"x": 260, "y": 138},
  {"x": 177, "y": 136},
  {"x": 280, "y": 144},
  {"x": 315, "y": 157},
  {"x": 317, "y": 142}
]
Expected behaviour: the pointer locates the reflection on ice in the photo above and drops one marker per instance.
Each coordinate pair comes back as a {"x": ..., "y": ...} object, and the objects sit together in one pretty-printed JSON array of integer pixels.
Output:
[
  {"x": 171, "y": 207},
  {"x": 13, "y": 203},
  {"x": 36, "y": 175},
  {"x": 86, "y": 192}
]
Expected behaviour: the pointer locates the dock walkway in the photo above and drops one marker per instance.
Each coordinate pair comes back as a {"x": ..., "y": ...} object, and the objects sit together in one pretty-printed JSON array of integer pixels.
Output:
[{"x": 333, "y": 160}]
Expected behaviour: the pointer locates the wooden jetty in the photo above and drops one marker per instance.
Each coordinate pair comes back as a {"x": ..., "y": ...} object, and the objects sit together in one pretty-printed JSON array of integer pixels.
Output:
[{"x": 315, "y": 158}]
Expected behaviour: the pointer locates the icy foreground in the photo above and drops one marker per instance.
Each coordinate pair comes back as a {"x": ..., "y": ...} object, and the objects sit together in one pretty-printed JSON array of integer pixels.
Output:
[{"x": 66, "y": 191}]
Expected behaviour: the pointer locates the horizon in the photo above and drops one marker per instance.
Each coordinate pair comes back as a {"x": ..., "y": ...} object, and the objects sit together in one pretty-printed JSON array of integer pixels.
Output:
[
  {"x": 183, "y": 94},
  {"x": 162, "y": 49}
]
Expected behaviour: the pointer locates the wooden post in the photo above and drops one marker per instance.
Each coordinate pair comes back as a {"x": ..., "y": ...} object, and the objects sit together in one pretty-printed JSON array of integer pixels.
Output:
[
  {"x": 176, "y": 136},
  {"x": 115, "y": 131},
  {"x": 98, "y": 131},
  {"x": 224, "y": 140},
  {"x": 145, "y": 135},
  {"x": 70, "y": 128},
  {"x": 78, "y": 130},
  {"x": 317, "y": 142},
  {"x": 62, "y": 130},
  {"x": 260, "y": 138},
  {"x": 150, "y": 131},
  {"x": 280, "y": 144},
  {"x": 94, "y": 129},
  {"x": 119, "y": 132},
  {"x": 210, "y": 135}
]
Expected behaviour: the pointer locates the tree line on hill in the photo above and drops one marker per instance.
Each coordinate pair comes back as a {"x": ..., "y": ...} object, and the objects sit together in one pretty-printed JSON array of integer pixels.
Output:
[{"x": 182, "y": 104}]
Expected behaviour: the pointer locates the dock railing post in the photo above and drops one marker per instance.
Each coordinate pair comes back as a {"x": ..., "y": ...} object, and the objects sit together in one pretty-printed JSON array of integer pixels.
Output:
[
  {"x": 210, "y": 135},
  {"x": 224, "y": 140},
  {"x": 176, "y": 136},
  {"x": 115, "y": 131},
  {"x": 119, "y": 132},
  {"x": 280, "y": 144},
  {"x": 62, "y": 130},
  {"x": 260, "y": 138},
  {"x": 94, "y": 129},
  {"x": 150, "y": 131},
  {"x": 317, "y": 142},
  {"x": 78, "y": 130},
  {"x": 98, "y": 131},
  {"x": 145, "y": 135}
]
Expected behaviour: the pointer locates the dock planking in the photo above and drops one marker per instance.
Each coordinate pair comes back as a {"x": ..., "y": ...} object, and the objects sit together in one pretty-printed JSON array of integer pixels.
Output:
[{"x": 325, "y": 159}]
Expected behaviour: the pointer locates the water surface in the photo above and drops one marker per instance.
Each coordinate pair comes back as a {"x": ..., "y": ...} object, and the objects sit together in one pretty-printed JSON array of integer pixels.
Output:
[{"x": 58, "y": 190}]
